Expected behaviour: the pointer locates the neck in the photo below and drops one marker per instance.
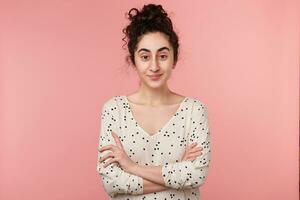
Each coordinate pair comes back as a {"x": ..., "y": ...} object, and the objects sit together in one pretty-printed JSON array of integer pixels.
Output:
[{"x": 154, "y": 96}]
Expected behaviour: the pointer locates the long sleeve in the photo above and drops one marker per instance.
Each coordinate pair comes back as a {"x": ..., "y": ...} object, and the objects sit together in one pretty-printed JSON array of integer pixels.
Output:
[
  {"x": 115, "y": 180},
  {"x": 191, "y": 174}
]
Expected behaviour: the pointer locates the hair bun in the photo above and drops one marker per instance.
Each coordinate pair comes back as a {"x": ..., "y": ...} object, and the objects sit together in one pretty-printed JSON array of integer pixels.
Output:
[
  {"x": 152, "y": 11},
  {"x": 149, "y": 13}
]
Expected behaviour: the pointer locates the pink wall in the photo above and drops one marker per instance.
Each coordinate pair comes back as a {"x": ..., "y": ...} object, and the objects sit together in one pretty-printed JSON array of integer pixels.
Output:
[{"x": 60, "y": 60}]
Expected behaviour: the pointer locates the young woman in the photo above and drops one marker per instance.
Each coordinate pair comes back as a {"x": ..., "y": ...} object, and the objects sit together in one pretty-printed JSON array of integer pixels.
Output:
[{"x": 154, "y": 143}]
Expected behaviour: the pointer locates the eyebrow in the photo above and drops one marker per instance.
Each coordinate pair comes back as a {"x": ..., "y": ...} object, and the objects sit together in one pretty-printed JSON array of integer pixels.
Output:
[{"x": 160, "y": 49}]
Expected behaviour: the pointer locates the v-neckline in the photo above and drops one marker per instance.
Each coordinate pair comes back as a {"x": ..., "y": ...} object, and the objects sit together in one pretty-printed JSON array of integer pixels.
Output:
[{"x": 163, "y": 127}]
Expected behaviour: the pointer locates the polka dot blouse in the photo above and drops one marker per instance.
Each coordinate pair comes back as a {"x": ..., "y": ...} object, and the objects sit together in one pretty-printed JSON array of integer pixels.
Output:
[{"x": 165, "y": 148}]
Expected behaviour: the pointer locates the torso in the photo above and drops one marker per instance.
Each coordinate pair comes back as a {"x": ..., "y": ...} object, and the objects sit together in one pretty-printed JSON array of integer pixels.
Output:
[
  {"x": 152, "y": 118},
  {"x": 165, "y": 147}
]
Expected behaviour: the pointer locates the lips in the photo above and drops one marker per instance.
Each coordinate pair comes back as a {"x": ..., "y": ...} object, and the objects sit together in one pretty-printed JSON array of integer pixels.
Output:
[{"x": 155, "y": 76}]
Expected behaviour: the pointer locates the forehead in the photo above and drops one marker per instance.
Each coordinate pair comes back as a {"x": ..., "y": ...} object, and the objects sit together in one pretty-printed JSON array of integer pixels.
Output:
[{"x": 153, "y": 41}]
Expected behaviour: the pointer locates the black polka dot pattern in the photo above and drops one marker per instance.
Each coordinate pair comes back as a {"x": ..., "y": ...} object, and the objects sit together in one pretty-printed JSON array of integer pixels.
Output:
[
  {"x": 114, "y": 179},
  {"x": 191, "y": 174},
  {"x": 165, "y": 148}
]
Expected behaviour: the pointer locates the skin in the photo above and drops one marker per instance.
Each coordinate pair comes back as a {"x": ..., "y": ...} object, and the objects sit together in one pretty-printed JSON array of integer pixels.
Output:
[{"x": 153, "y": 55}]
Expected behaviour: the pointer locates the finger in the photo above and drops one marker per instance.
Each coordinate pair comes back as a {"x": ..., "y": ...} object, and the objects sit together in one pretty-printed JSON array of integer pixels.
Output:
[
  {"x": 106, "y": 156},
  {"x": 107, "y": 147},
  {"x": 117, "y": 139},
  {"x": 198, "y": 147},
  {"x": 195, "y": 154},
  {"x": 193, "y": 145},
  {"x": 195, "y": 150},
  {"x": 190, "y": 146},
  {"x": 191, "y": 158},
  {"x": 110, "y": 161}
]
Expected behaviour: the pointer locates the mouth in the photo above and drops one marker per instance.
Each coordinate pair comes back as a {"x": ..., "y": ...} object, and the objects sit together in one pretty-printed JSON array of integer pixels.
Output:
[{"x": 155, "y": 77}]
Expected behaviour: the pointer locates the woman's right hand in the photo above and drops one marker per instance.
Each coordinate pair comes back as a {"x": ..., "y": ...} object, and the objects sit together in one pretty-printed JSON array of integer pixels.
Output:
[{"x": 192, "y": 152}]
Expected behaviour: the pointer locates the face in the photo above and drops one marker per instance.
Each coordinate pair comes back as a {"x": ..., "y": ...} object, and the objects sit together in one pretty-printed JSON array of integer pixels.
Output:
[{"x": 154, "y": 57}]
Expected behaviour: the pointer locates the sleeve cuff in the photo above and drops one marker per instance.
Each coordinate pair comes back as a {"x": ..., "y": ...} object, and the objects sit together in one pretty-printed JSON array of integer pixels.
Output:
[
  {"x": 172, "y": 173},
  {"x": 137, "y": 185}
]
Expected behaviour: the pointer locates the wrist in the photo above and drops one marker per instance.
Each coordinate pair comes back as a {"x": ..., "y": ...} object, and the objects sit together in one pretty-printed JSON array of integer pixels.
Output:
[{"x": 133, "y": 168}]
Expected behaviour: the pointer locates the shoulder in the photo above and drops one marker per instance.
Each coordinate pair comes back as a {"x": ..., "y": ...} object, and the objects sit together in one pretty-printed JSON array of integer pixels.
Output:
[
  {"x": 108, "y": 105},
  {"x": 199, "y": 108},
  {"x": 196, "y": 102},
  {"x": 110, "y": 101},
  {"x": 113, "y": 104}
]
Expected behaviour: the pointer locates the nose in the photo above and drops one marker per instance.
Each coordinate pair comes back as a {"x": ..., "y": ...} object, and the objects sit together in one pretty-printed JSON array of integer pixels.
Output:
[{"x": 154, "y": 65}]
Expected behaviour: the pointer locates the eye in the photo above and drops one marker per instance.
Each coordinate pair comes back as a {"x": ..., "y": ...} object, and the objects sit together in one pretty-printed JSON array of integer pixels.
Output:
[
  {"x": 144, "y": 57},
  {"x": 164, "y": 56}
]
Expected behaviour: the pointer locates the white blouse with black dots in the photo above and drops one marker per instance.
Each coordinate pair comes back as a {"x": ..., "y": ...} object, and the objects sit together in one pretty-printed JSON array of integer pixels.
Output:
[{"x": 189, "y": 124}]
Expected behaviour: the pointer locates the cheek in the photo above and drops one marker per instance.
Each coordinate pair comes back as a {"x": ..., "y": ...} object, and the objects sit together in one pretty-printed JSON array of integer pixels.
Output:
[
  {"x": 168, "y": 72},
  {"x": 168, "y": 67},
  {"x": 141, "y": 69}
]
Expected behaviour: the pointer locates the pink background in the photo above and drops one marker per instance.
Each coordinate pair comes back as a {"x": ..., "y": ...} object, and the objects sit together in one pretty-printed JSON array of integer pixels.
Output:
[{"x": 60, "y": 60}]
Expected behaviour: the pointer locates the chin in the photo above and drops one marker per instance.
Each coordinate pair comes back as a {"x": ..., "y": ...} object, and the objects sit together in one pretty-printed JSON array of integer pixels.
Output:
[{"x": 157, "y": 84}]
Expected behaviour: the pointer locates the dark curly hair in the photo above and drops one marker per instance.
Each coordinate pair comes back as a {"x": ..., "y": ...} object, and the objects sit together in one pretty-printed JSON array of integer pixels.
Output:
[{"x": 152, "y": 18}]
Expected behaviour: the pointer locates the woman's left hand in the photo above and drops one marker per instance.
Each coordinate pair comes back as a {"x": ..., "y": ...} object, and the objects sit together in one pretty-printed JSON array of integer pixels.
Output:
[{"x": 117, "y": 154}]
